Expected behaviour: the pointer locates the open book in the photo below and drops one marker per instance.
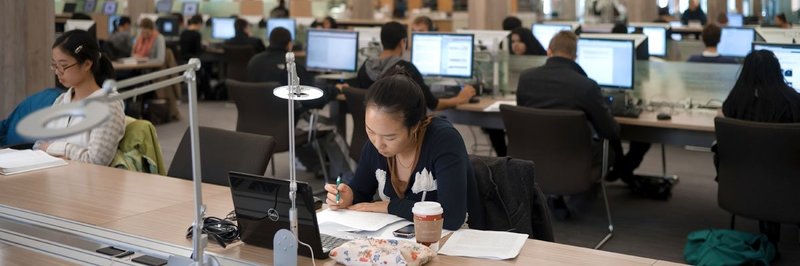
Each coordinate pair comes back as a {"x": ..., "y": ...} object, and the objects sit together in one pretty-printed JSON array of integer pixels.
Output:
[{"x": 19, "y": 161}]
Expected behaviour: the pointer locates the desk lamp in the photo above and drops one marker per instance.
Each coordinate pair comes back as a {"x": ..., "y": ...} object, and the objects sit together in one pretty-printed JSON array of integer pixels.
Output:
[
  {"x": 95, "y": 111},
  {"x": 285, "y": 242}
]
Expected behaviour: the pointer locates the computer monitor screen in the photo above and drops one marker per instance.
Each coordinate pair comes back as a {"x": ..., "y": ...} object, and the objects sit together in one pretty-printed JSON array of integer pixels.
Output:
[
  {"x": 736, "y": 42},
  {"x": 443, "y": 55},
  {"x": 545, "y": 32},
  {"x": 332, "y": 50},
  {"x": 110, "y": 8},
  {"x": 168, "y": 26},
  {"x": 113, "y": 20},
  {"x": 789, "y": 57},
  {"x": 735, "y": 20},
  {"x": 89, "y": 6},
  {"x": 76, "y": 24},
  {"x": 164, "y": 6},
  {"x": 222, "y": 28},
  {"x": 69, "y": 8},
  {"x": 657, "y": 40},
  {"x": 286, "y": 23},
  {"x": 190, "y": 8},
  {"x": 608, "y": 62}
]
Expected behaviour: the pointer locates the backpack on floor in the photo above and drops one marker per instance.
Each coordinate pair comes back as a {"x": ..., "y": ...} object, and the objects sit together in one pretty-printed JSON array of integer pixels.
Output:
[{"x": 727, "y": 247}]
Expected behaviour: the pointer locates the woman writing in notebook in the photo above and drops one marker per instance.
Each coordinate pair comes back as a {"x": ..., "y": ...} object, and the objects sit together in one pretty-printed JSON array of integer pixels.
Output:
[
  {"x": 80, "y": 67},
  {"x": 410, "y": 157}
]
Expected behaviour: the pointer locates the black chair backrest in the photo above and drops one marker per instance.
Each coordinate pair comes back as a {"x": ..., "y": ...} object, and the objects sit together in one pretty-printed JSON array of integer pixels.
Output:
[
  {"x": 558, "y": 141},
  {"x": 355, "y": 103},
  {"x": 260, "y": 112},
  {"x": 222, "y": 151},
  {"x": 511, "y": 199},
  {"x": 236, "y": 59},
  {"x": 759, "y": 169}
]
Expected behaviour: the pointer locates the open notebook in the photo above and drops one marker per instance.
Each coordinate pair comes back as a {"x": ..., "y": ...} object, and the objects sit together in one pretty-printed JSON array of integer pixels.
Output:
[{"x": 19, "y": 161}]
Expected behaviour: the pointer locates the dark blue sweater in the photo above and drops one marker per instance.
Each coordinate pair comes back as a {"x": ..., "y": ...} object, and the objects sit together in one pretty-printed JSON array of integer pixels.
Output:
[
  {"x": 442, "y": 155},
  {"x": 8, "y": 127}
]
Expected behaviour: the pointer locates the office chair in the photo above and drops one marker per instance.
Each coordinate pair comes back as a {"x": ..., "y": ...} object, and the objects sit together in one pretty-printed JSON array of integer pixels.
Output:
[
  {"x": 260, "y": 112},
  {"x": 222, "y": 151},
  {"x": 560, "y": 143},
  {"x": 355, "y": 103},
  {"x": 758, "y": 170},
  {"x": 236, "y": 58}
]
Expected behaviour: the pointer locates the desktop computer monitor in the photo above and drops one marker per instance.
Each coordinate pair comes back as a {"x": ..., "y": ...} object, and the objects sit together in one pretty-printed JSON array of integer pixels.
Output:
[
  {"x": 110, "y": 8},
  {"x": 287, "y": 23},
  {"x": 222, "y": 28},
  {"x": 113, "y": 20},
  {"x": 164, "y": 6},
  {"x": 89, "y": 6},
  {"x": 69, "y": 8},
  {"x": 190, "y": 8},
  {"x": 656, "y": 40},
  {"x": 332, "y": 50},
  {"x": 443, "y": 55},
  {"x": 789, "y": 57},
  {"x": 77, "y": 24},
  {"x": 608, "y": 62},
  {"x": 736, "y": 42},
  {"x": 545, "y": 32},
  {"x": 168, "y": 26},
  {"x": 735, "y": 20}
]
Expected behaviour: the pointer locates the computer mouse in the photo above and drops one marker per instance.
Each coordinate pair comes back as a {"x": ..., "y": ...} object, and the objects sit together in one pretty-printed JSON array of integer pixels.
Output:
[
  {"x": 663, "y": 116},
  {"x": 474, "y": 99}
]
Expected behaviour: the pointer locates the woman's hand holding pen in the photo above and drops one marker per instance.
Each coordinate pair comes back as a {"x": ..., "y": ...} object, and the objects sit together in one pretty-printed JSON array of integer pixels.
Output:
[{"x": 345, "y": 196}]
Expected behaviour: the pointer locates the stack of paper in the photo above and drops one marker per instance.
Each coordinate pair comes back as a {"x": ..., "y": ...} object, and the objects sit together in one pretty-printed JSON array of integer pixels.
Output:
[
  {"x": 19, "y": 161},
  {"x": 494, "y": 245}
]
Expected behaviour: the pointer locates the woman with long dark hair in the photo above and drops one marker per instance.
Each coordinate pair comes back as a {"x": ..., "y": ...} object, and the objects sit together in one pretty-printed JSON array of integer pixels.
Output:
[
  {"x": 82, "y": 68},
  {"x": 524, "y": 43}
]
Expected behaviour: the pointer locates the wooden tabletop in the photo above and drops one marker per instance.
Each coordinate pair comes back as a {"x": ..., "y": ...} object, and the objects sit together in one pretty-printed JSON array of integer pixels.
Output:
[{"x": 161, "y": 208}]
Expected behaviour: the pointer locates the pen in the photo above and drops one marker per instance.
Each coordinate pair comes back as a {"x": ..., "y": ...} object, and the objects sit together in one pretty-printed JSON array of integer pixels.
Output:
[{"x": 338, "y": 182}]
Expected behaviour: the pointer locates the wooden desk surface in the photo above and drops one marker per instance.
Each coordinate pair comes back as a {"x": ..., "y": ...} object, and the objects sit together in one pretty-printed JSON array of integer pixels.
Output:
[
  {"x": 696, "y": 120},
  {"x": 160, "y": 208}
]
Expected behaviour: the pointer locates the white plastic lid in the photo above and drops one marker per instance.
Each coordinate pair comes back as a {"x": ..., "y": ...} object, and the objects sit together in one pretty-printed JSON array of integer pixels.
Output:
[{"x": 427, "y": 208}]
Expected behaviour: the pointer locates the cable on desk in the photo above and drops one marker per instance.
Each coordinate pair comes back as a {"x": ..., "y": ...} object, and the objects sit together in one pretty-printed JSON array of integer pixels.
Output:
[
  {"x": 224, "y": 231},
  {"x": 313, "y": 261}
]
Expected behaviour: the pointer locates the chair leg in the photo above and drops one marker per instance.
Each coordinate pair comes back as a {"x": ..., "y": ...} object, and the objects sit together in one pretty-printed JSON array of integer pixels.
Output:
[{"x": 604, "y": 171}]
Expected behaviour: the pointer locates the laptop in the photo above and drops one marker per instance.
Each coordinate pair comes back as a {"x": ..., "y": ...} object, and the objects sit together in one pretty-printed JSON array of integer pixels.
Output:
[{"x": 262, "y": 208}]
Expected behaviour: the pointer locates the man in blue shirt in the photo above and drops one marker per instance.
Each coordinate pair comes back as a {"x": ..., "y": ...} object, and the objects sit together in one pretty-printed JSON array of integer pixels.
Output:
[{"x": 711, "y": 37}]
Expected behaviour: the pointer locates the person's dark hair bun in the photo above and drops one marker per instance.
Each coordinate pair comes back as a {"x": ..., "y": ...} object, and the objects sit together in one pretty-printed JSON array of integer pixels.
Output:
[{"x": 395, "y": 92}]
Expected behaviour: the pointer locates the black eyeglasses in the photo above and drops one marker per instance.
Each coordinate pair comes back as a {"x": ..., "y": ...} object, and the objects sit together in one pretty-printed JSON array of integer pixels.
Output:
[{"x": 60, "y": 70}]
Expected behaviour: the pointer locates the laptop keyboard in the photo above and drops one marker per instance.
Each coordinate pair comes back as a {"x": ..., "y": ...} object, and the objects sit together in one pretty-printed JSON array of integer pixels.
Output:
[{"x": 330, "y": 242}]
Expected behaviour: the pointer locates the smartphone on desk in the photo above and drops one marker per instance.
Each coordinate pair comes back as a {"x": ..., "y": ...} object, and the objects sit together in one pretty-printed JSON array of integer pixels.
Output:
[{"x": 405, "y": 232}]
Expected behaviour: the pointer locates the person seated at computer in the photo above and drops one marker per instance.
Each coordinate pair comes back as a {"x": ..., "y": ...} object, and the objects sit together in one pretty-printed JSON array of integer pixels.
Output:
[
  {"x": 280, "y": 11},
  {"x": 422, "y": 24},
  {"x": 782, "y": 22},
  {"x": 191, "y": 40},
  {"x": 693, "y": 13},
  {"x": 270, "y": 65},
  {"x": 242, "y": 36},
  {"x": 80, "y": 66},
  {"x": 761, "y": 94},
  {"x": 711, "y": 37},
  {"x": 327, "y": 23},
  {"x": 121, "y": 40},
  {"x": 411, "y": 157},
  {"x": 524, "y": 43},
  {"x": 394, "y": 39},
  {"x": 149, "y": 43},
  {"x": 179, "y": 18}
]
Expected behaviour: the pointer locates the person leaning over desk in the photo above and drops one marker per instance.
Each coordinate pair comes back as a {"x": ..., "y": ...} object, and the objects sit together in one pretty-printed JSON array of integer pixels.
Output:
[
  {"x": 762, "y": 95},
  {"x": 408, "y": 149},
  {"x": 81, "y": 67},
  {"x": 394, "y": 39}
]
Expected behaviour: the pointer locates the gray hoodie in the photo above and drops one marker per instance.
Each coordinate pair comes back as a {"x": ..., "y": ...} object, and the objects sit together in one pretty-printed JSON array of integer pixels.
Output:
[{"x": 375, "y": 67}]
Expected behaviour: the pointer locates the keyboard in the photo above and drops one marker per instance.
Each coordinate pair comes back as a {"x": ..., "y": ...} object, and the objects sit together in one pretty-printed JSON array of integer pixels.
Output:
[
  {"x": 330, "y": 242},
  {"x": 631, "y": 112}
]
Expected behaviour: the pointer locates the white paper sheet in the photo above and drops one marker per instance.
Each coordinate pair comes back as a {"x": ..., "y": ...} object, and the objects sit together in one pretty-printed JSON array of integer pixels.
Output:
[
  {"x": 20, "y": 161},
  {"x": 364, "y": 221},
  {"x": 494, "y": 245},
  {"x": 495, "y": 107}
]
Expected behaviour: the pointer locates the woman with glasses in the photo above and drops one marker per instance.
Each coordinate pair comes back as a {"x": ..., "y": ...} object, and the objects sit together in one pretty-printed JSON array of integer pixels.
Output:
[{"x": 82, "y": 68}]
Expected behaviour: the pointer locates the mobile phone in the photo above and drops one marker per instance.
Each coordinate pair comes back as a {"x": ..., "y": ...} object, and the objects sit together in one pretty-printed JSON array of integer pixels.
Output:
[
  {"x": 150, "y": 261},
  {"x": 114, "y": 252},
  {"x": 405, "y": 232}
]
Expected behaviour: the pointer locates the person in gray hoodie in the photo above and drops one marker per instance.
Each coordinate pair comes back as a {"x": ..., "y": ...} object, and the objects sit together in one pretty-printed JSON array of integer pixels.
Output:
[{"x": 394, "y": 40}]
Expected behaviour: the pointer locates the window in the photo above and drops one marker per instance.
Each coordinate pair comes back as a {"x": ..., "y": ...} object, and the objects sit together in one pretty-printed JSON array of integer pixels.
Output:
[{"x": 732, "y": 6}]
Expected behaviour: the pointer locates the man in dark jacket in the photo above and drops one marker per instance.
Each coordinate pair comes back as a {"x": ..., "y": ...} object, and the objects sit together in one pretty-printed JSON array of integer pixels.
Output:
[
  {"x": 693, "y": 13},
  {"x": 242, "y": 36}
]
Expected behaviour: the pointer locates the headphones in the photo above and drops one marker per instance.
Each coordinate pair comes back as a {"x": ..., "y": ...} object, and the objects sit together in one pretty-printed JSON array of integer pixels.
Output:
[{"x": 224, "y": 231}]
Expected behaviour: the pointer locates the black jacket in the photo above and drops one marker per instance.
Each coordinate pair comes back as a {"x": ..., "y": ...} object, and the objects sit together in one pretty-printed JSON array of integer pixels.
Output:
[
  {"x": 270, "y": 66},
  {"x": 191, "y": 42},
  {"x": 243, "y": 39},
  {"x": 562, "y": 84},
  {"x": 693, "y": 15}
]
